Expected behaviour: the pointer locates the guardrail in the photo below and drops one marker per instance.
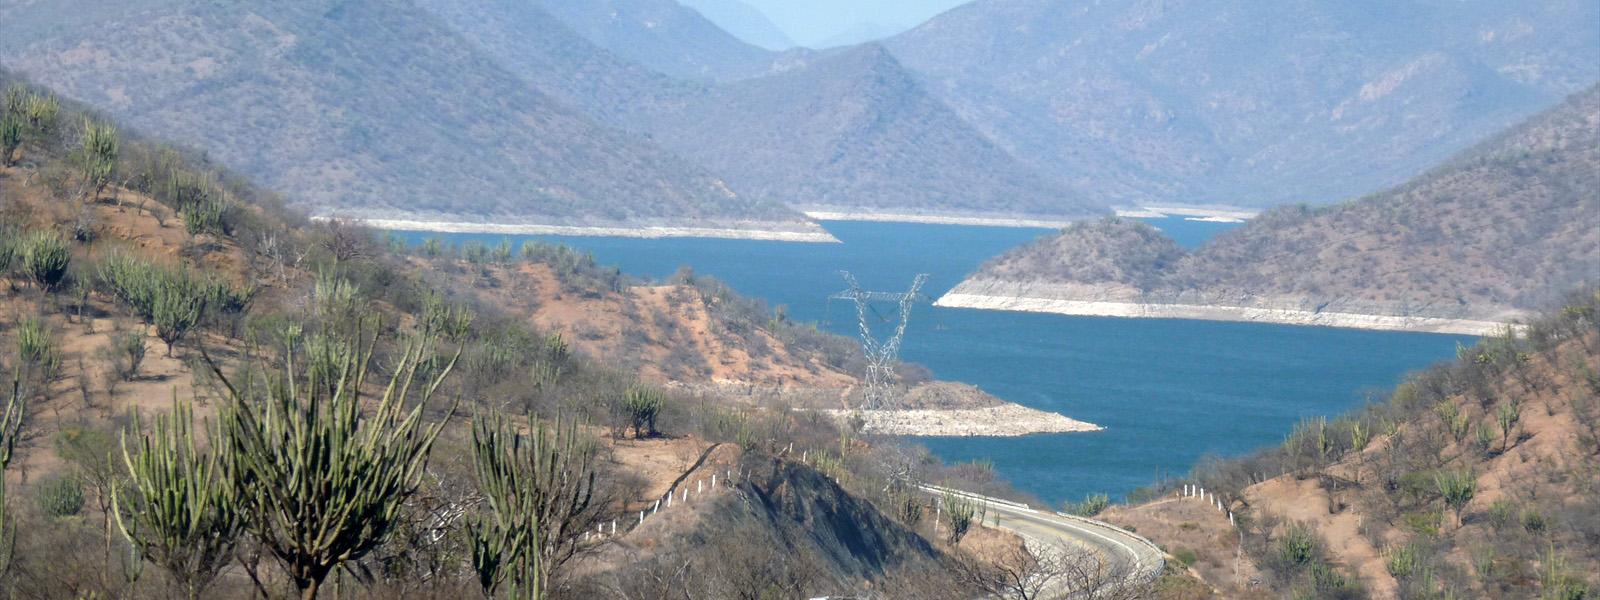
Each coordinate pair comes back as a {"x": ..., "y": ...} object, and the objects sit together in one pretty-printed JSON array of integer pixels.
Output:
[{"x": 1161, "y": 556}]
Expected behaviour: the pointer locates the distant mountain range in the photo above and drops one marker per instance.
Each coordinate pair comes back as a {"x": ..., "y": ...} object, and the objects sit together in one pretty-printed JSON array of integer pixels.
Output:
[
  {"x": 850, "y": 129},
  {"x": 619, "y": 111},
  {"x": 1501, "y": 230},
  {"x": 1245, "y": 102},
  {"x": 743, "y": 21},
  {"x": 365, "y": 107}
]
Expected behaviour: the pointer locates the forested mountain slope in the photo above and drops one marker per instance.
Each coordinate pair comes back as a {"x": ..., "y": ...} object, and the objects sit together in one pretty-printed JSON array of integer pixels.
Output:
[
  {"x": 369, "y": 107},
  {"x": 1506, "y": 226},
  {"x": 1248, "y": 103}
]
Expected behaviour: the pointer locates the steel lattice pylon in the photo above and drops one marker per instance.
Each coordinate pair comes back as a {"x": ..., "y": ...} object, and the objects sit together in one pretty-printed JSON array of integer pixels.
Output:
[{"x": 880, "y": 355}]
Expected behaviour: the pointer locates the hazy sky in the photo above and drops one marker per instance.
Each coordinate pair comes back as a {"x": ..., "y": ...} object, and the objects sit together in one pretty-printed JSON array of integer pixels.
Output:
[{"x": 808, "y": 21}]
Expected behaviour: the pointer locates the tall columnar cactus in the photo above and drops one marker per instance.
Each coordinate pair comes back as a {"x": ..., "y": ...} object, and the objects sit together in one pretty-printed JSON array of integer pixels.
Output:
[
  {"x": 179, "y": 512},
  {"x": 97, "y": 155},
  {"x": 539, "y": 496},
  {"x": 10, "y": 137},
  {"x": 320, "y": 483},
  {"x": 643, "y": 405},
  {"x": 10, "y": 428}
]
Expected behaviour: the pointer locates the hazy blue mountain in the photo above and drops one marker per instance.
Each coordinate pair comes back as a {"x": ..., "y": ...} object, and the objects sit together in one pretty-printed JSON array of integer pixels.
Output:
[
  {"x": 860, "y": 33},
  {"x": 743, "y": 21},
  {"x": 660, "y": 34},
  {"x": 369, "y": 107},
  {"x": 854, "y": 130},
  {"x": 1248, "y": 102},
  {"x": 849, "y": 129},
  {"x": 1510, "y": 225}
]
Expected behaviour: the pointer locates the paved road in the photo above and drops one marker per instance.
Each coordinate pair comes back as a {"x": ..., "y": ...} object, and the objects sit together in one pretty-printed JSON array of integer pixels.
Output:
[{"x": 1120, "y": 553}]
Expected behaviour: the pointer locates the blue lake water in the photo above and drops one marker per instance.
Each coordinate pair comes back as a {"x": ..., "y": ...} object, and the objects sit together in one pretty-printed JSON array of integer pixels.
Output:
[{"x": 1168, "y": 391}]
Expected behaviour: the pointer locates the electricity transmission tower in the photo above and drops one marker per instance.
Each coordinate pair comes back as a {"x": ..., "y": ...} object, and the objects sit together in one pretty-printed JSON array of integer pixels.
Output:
[{"x": 880, "y": 355}]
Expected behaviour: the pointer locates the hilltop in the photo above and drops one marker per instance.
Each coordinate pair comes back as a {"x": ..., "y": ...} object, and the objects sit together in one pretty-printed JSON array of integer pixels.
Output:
[
  {"x": 1490, "y": 235},
  {"x": 1247, "y": 103}
]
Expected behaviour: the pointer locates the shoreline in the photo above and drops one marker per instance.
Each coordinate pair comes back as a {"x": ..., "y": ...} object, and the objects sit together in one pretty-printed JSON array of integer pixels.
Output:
[
  {"x": 814, "y": 234},
  {"x": 1223, "y": 313},
  {"x": 1006, "y": 420},
  {"x": 1215, "y": 214},
  {"x": 841, "y": 215}
]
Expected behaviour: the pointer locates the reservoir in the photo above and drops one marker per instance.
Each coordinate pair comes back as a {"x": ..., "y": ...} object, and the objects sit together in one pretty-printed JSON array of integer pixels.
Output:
[{"x": 1168, "y": 391}]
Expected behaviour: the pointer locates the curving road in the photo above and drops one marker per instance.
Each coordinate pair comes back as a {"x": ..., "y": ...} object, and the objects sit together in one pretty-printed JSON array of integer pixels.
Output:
[{"x": 1122, "y": 555}]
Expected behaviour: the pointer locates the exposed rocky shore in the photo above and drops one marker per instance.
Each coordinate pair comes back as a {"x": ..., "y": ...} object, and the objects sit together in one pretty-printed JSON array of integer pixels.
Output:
[
  {"x": 1087, "y": 301},
  {"x": 744, "y": 230},
  {"x": 999, "y": 421},
  {"x": 935, "y": 408}
]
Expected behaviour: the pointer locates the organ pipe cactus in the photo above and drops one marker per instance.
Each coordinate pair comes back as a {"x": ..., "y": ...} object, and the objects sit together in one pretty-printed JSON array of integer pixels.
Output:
[
  {"x": 319, "y": 482},
  {"x": 97, "y": 155},
  {"x": 179, "y": 513},
  {"x": 642, "y": 406},
  {"x": 538, "y": 490},
  {"x": 10, "y": 428}
]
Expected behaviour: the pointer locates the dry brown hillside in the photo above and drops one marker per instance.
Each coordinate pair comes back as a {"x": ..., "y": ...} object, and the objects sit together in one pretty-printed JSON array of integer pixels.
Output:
[{"x": 1475, "y": 479}]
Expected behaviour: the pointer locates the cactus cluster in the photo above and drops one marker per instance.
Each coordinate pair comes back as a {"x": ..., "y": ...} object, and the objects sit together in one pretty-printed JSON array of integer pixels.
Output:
[
  {"x": 26, "y": 116},
  {"x": 97, "y": 155},
  {"x": 172, "y": 298},
  {"x": 538, "y": 490},
  {"x": 44, "y": 258},
  {"x": 179, "y": 512},
  {"x": 319, "y": 482}
]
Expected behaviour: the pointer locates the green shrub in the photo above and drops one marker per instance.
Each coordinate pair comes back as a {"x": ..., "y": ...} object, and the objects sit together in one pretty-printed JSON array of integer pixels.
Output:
[
  {"x": 1532, "y": 519},
  {"x": 1483, "y": 437},
  {"x": 1500, "y": 513},
  {"x": 208, "y": 216},
  {"x": 1401, "y": 561},
  {"x": 1092, "y": 505},
  {"x": 36, "y": 346},
  {"x": 1295, "y": 548},
  {"x": 1185, "y": 557},
  {"x": 45, "y": 258},
  {"x": 502, "y": 252},
  {"x": 1425, "y": 522},
  {"x": 60, "y": 496},
  {"x": 1330, "y": 583}
]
